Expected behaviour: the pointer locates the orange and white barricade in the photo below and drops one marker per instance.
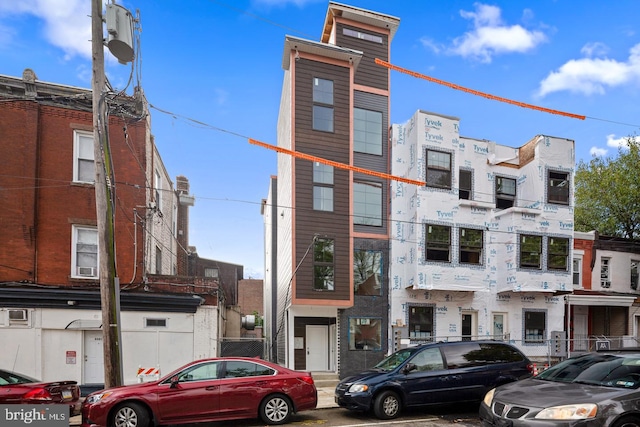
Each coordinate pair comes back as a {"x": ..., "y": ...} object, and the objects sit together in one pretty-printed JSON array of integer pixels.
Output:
[{"x": 148, "y": 374}]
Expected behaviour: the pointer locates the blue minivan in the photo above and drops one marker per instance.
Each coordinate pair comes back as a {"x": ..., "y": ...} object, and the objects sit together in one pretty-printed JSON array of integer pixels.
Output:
[{"x": 433, "y": 374}]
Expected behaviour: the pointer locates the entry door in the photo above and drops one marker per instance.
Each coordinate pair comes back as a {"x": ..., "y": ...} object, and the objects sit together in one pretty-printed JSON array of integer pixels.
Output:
[
  {"x": 317, "y": 347},
  {"x": 93, "y": 358},
  {"x": 468, "y": 326},
  {"x": 580, "y": 332}
]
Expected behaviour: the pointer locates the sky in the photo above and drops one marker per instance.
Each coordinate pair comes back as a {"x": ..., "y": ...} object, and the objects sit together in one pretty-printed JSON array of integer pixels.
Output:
[{"x": 212, "y": 73}]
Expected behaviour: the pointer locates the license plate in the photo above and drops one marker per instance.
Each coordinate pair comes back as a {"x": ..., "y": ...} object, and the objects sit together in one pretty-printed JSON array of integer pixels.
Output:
[{"x": 66, "y": 394}]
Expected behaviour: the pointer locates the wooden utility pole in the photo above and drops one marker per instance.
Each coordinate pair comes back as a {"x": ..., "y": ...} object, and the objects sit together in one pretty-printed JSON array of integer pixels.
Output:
[{"x": 105, "y": 196}]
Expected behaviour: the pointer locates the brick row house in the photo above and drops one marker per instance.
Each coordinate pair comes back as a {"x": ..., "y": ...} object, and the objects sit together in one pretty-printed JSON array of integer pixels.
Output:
[{"x": 50, "y": 315}]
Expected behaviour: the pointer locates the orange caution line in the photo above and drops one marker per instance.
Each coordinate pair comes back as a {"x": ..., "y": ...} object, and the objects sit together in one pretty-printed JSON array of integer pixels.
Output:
[
  {"x": 335, "y": 164},
  {"x": 475, "y": 92}
]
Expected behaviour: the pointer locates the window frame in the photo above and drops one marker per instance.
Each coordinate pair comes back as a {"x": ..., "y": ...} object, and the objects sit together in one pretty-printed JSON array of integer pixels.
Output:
[
  {"x": 75, "y": 234},
  {"x": 158, "y": 260},
  {"x": 78, "y": 157},
  {"x": 521, "y": 241},
  {"x": 503, "y": 199},
  {"x": 561, "y": 196},
  {"x": 323, "y": 268},
  {"x": 323, "y": 105},
  {"x": 323, "y": 187},
  {"x": 576, "y": 274},
  {"x": 469, "y": 248},
  {"x": 416, "y": 331},
  {"x": 634, "y": 279},
  {"x": 436, "y": 246},
  {"x": 434, "y": 168},
  {"x": 529, "y": 337},
  {"x": 464, "y": 191},
  {"x": 360, "y": 264},
  {"x": 356, "y": 324},
  {"x": 157, "y": 189},
  {"x": 371, "y": 141},
  {"x": 505, "y": 325},
  {"x": 552, "y": 254},
  {"x": 369, "y": 204},
  {"x": 605, "y": 272}
]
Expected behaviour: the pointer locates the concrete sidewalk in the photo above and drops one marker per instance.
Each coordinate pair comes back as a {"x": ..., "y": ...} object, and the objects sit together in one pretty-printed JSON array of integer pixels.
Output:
[{"x": 325, "y": 400}]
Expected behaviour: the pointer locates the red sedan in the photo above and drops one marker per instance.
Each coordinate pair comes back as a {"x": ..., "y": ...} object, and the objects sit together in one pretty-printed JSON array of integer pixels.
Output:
[
  {"x": 226, "y": 388},
  {"x": 21, "y": 389}
]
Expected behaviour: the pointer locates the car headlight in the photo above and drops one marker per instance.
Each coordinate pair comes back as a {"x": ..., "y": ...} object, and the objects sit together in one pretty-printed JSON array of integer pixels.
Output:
[
  {"x": 358, "y": 388},
  {"x": 569, "y": 412},
  {"x": 95, "y": 398},
  {"x": 488, "y": 398}
]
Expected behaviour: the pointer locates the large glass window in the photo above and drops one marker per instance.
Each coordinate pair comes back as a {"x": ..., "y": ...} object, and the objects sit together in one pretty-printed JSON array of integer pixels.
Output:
[
  {"x": 367, "y": 203},
  {"x": 464, "y": 190},
  {"x": 505, "y": 192},
  {"x": 558, "y": 254},
  {"x": 323, "y": 267},
  {"x": 421, "y": 322},
  {"x": 367, "y": 272},
  {"x": 577, "y": 272},
  {"x": 558, "y": 187},
  {"x": 530, "y": 251},
  {"x": 471, "y": 245},
  {"x": 438, "y": 243},
  {"x": 322, "y": 187},
  {"x": 535, "y": 326},
  {"x": 438, "y": 169},
  {"x": 365, "y": 333},
  {"x": 84, "y": 252},
  {"x": 323, "y": 104},
  {"x": 84, "y": 169},
  {"x": 499, "y": 328},
  {"x": 367, "y": 131}
]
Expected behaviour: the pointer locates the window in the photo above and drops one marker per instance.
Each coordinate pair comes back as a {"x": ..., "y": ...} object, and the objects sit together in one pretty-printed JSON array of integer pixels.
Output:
[
  {"x": 238, "y": 369},
  {"x": 323, "y": 105},
  {"x": 367, "y": 272},
  {"x": 322, "y": 187},
  {"x": 420, "y": 321},
  {"x": 605, "y": 273},
  {"x": 211, "y": 272},
  {"x": 157, "y": 184},
  {"x": 577, "y": 272},
  {"x": 558, "y": 187},
  {"x": 471, "y": 243},
  {"x": 367, "y": 203},
  {"x": 84, "y": 169},
  {"x": 367, "y": 131},
  {"x": 201, "y": 372},
  {"x": 365, "y": 333},
  {"x": 499, "y": 326},
  {"x": 530, "y": 251},
  {"x": 438, "y": 243},
  {"x": 505, "y": 192},
  {"x": 438, "y": 169},
  {"x": 465, "y": 178},
  {"x": 363, "y": 36},
  {"x": 634, "y": 274},
  {"x": 158, "y": 260},
  {"x": 323, "y": 265},
  {"x": 429, "y": 359},
  {"x": 84, "y": 252},
  {"x": 155, "y": 323},
  {"x": 558, "y": 254},
  {"x": 534, "y": 326}
]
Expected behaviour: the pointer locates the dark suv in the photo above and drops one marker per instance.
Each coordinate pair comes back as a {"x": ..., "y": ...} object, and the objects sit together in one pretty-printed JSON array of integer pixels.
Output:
[{"x": 434, "y": 373}]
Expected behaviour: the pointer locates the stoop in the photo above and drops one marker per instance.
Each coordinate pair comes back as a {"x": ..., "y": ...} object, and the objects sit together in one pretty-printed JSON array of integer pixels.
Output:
[{"x": 325, "y": 379}]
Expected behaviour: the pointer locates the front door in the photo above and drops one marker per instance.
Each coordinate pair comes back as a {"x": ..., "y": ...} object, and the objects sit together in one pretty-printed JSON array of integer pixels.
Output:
[
  {"x": 317, "y": 347},
  {"x": 468, "y": 326},
  {"x": 93, "y": 358}
]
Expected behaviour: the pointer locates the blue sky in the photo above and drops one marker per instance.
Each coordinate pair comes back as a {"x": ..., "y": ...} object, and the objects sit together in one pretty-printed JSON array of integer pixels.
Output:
[{"x": 216, "y": 66}]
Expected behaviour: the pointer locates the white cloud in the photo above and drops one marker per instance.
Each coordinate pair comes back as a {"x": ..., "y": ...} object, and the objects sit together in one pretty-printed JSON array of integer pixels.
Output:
[
  {"x": 593, "y": 75},
  {"x": 594, "y": 49},
  {"x": 612, "y": 142},
  {"x": 598, "y": 152},
  {"x": 431, "y": 45},
  {"x": 491, "y": 36}
]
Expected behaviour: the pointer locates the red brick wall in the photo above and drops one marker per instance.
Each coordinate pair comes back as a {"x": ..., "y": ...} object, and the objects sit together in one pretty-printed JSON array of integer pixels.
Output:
[{"x": 250, "y": 296}]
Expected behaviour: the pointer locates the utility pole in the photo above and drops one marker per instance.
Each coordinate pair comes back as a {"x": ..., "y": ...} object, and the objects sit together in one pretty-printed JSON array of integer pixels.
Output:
[{"x": 105, "y": 196}]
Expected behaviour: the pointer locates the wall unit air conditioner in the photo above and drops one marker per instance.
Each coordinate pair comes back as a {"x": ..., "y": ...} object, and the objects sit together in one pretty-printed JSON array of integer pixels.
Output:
[
  {"x": 87, "y": 271},
  {"x": 21, "y": 315}
]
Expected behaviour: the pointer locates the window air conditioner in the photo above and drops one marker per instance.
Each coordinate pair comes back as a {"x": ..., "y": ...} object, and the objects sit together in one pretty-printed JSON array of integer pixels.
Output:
[
  {"x": 18, "y": 315},
  {"x": 87, "y": 271}
]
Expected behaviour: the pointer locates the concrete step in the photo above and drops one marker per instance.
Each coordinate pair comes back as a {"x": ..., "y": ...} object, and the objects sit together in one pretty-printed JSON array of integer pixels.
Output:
[{"x": 325, "y": 379}]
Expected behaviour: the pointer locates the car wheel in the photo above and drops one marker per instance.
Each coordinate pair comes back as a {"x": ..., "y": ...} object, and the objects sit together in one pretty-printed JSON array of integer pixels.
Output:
[
  {"x": 630, "y": 421},
  {"x": 130, "y": 415},
  {"x": 275, "y": 409},
  {"x": 387, "y": 405}
]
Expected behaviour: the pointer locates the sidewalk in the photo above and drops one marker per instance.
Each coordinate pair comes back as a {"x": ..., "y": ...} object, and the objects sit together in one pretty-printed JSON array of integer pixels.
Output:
[{"x": 325, "y": 400}]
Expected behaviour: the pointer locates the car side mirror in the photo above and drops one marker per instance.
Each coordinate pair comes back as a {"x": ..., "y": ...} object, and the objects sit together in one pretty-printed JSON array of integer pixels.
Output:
[
  {"x": 408, "y": 368},
  {"x": 174, "y": 382}
]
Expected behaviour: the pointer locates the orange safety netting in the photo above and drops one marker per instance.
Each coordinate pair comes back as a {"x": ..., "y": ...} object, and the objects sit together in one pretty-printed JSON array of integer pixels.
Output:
[
  {"x": 335, "y": 164},
  {"x": 475, "y": 92}
]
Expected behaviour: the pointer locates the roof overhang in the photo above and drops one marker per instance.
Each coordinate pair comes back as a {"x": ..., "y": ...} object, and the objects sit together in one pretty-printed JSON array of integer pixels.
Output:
[
  {"x": 319, "y": 49},
  {"x": 364, "y": 16},
  {"x": 600, "y": 300}
]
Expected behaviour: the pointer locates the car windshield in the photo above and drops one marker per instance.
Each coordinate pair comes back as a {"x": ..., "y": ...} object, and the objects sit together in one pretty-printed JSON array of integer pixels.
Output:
[
  {"x": 14, "y": 378},
  {"x": 622, "y": 371},
  {"x": 391, "y": 362}
]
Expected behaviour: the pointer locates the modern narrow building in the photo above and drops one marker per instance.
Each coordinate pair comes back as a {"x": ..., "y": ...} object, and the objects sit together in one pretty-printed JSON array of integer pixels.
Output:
[{"x": 326, "y": 222}]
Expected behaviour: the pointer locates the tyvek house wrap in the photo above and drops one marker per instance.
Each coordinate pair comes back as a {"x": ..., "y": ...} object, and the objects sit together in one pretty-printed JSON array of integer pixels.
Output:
[{"x": 416, "y": 207}]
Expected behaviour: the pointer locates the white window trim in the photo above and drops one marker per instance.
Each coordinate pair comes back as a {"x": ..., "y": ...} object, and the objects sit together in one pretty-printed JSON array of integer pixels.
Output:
[
  {"x": 74, "y": 253},
  {"x": 579, "y": 255},
  {"x": 76, "y": 153}
]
